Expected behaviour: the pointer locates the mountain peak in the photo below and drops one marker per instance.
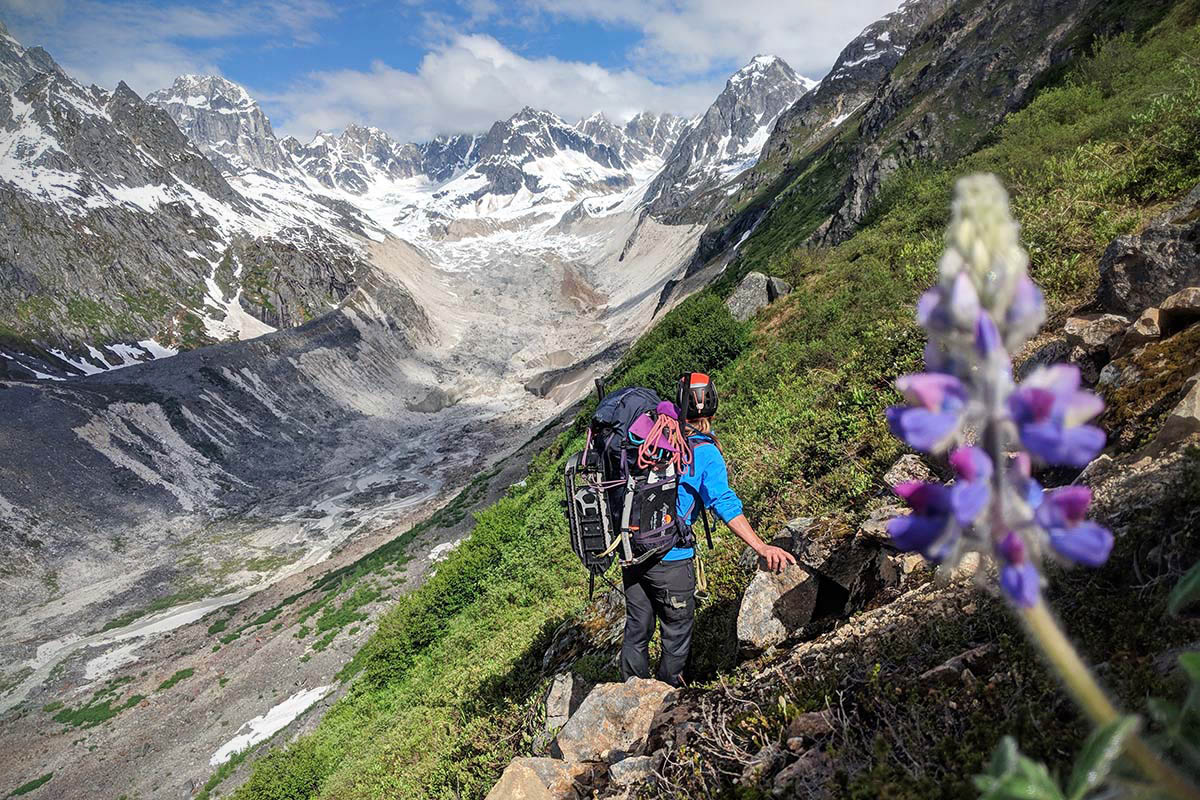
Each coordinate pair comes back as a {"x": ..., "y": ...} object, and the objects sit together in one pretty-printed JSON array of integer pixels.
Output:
[{"x": 222, "y": 117}]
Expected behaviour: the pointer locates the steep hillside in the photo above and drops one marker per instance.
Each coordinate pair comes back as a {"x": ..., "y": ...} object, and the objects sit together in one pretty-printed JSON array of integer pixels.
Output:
[{"x": 452, "y": 685}]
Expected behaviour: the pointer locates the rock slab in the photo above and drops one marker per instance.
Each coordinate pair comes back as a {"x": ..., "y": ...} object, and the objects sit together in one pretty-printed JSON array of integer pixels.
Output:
[
  {"x": 754, "y": 293},
  {"x": 613, "y": 721},
  {"x": 1144, "y": 269},
  {"x": 536, "y": 779}
]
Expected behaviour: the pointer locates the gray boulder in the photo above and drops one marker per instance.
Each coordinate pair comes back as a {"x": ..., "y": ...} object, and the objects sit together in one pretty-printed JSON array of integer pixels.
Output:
[
  {"x": 776, "y": 605},
  {"x": 833, "y": 572},
  {"x": 754, "y": 293},
  {"x": 566, "y": 693},
  {"x": 777, "y": 288},
  {"x": 613, "y": 721},
  {"x": 1094, "y": 339},
  {"x": 1144, "y": 269}
]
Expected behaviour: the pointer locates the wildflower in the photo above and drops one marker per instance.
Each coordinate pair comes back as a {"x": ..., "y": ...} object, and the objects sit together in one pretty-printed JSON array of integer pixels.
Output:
[
  {"x": 1077, "y": 539},
  {"x": 928, "y": 529},
  {"x": 932, "y": 423},
  {"x": 1019, "y": 578},
  {"x": 971, "y": 492},
  {"x": 983, "y": 307},
  {"x": 1049, "y": 409}
]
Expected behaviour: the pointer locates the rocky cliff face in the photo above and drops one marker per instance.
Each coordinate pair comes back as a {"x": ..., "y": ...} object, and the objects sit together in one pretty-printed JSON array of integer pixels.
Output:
[
  {"x": 727, "y": 139},
  {"x": 119, "y": 231},
  {"x": 856, "y": 75},
  {"x": 643, "y": 142},
  {"x": 960, "y": 75},
  {"x": 221, "y": 117}
]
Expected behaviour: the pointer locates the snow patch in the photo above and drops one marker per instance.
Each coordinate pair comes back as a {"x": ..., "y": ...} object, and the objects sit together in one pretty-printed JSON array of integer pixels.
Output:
[
  {"x": 442, "y": 551},
  {"x": 262, "y": 728}
]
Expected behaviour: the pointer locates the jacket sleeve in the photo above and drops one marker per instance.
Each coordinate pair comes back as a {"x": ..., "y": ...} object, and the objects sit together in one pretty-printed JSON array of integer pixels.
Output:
[{"x": 715, "y": 490}]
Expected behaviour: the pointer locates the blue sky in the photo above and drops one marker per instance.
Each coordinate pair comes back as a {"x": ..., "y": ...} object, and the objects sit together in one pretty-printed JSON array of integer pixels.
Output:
[{"x": 421, "y": 68}]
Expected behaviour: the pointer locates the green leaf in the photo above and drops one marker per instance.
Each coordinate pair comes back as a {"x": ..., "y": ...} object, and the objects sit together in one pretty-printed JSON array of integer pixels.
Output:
[
  {"x": 1191, "y": 665},
  {"x": 1186, "y": 592},
  {"x": 1099, "y": 752},
  {"x": 1004, "y": 757},
  {"x": 1164, "y": 712}
]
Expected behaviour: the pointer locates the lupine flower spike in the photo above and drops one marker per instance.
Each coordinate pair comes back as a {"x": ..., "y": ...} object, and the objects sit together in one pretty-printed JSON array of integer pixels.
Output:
[{"x": 984, "y": 307}]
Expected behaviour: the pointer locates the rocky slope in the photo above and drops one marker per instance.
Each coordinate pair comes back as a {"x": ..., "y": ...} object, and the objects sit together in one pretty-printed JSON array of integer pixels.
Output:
[{"x": 860, "y": 665}]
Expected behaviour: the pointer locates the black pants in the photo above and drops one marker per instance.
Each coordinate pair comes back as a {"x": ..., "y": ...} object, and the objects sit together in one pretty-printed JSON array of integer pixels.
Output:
[{"x": 665, "y": 590}]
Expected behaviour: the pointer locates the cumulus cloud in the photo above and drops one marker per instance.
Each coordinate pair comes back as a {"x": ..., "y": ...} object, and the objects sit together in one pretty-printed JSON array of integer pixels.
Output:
[
  {"x": 689, "y": 37},
  {"x": 148, "y": 44},
  {"x": 468, "y": 83}
]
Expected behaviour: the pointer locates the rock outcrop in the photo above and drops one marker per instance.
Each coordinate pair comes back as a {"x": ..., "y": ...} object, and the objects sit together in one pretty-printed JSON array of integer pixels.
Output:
[
  {"x": 1144, "y": 269},
  {"x": 755, "y": 292},
  {"x": 613, "y": 721}
]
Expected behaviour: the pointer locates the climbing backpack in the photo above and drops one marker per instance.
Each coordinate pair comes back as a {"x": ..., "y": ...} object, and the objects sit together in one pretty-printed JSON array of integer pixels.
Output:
[{"x": 621, "y": 489}]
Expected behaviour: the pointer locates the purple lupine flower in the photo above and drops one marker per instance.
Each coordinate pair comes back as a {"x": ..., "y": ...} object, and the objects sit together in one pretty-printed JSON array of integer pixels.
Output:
[
  {"x": 1026, "y": 313},
  {"x": 984, "y": 307},
  {"x": 931, "y": 423},
  {"x": 1020, "y": 478},
  {"x": 1019, "y": 578},
  {"x": 971, "y": 492},
  {"x": 1049, "y": 410},
  {"x": 1072, "y": 536},
  {"x": 929, "y": 529}
]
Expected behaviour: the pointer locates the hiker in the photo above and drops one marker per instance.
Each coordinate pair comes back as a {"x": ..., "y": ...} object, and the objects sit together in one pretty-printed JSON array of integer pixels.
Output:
[{"x": 664, "y": 587}]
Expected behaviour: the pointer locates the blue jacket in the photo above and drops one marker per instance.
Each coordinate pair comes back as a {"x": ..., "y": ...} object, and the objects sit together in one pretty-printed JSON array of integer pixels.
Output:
[{"x": 708, "y": 482}]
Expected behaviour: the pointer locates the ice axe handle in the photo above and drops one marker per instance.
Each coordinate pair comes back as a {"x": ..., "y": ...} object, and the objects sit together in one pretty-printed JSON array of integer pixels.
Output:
[{"x": 600, "y": 388}]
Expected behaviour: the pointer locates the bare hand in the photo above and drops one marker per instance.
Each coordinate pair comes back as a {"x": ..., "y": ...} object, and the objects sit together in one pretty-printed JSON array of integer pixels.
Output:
[{"x": 776, "y": 557}]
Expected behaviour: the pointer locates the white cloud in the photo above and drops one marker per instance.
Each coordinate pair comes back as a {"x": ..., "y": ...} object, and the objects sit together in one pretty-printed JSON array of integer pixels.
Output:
[
  {"x": 147, "y": 45},
  {"x": 468, "y": 83},
  {"x": 683, "y": 38}
]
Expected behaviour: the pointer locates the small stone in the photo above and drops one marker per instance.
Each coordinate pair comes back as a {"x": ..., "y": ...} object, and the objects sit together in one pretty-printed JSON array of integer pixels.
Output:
[
  {"x": 874, "y": 527},
  {"x": 1184, "y": 419},
  {"x": 1096, "y": 333},
  {"x": 635, "y": 769},
  {"x": 795, "y": 744},
  {"x": 1145, "y": 329},
  {"x": 1180, "y": 310},
  {"x": 564, "y": 696},
  {"x": 811, "y": 725},
  {"x": 764, "y": 762},
  {"x": 908, "y": 467}
]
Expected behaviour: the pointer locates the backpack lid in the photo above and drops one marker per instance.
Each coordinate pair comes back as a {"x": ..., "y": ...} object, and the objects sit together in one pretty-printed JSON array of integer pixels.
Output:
[{"x": 641, "y": 428}]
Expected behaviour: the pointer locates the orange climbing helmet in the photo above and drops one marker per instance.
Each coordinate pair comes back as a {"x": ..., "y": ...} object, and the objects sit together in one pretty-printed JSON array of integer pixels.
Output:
[{"x": 696, "y": 396}]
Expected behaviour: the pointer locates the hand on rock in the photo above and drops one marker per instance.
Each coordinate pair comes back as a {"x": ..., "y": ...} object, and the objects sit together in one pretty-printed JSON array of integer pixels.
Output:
[{"x": 776, "y": 557}]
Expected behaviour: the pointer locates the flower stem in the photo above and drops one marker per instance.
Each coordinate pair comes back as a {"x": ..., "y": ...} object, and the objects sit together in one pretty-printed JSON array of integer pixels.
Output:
[{"x": 1046, "y": 633}]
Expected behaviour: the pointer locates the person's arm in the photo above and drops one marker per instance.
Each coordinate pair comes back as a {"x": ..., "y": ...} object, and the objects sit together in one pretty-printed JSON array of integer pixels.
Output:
[
  {"x": 717, "y": 494},
  {"x": 776, "y": 557}
]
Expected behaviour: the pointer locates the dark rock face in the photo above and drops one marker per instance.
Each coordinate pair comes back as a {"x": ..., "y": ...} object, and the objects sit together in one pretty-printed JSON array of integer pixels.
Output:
[
  {"x": 644, "y": 137},
  {"x": 117, "y": 226},
  {"x": 859, "y": 70},
  {"x": 1144, "y": 269},
  {"x": 969, "y": 66}
]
